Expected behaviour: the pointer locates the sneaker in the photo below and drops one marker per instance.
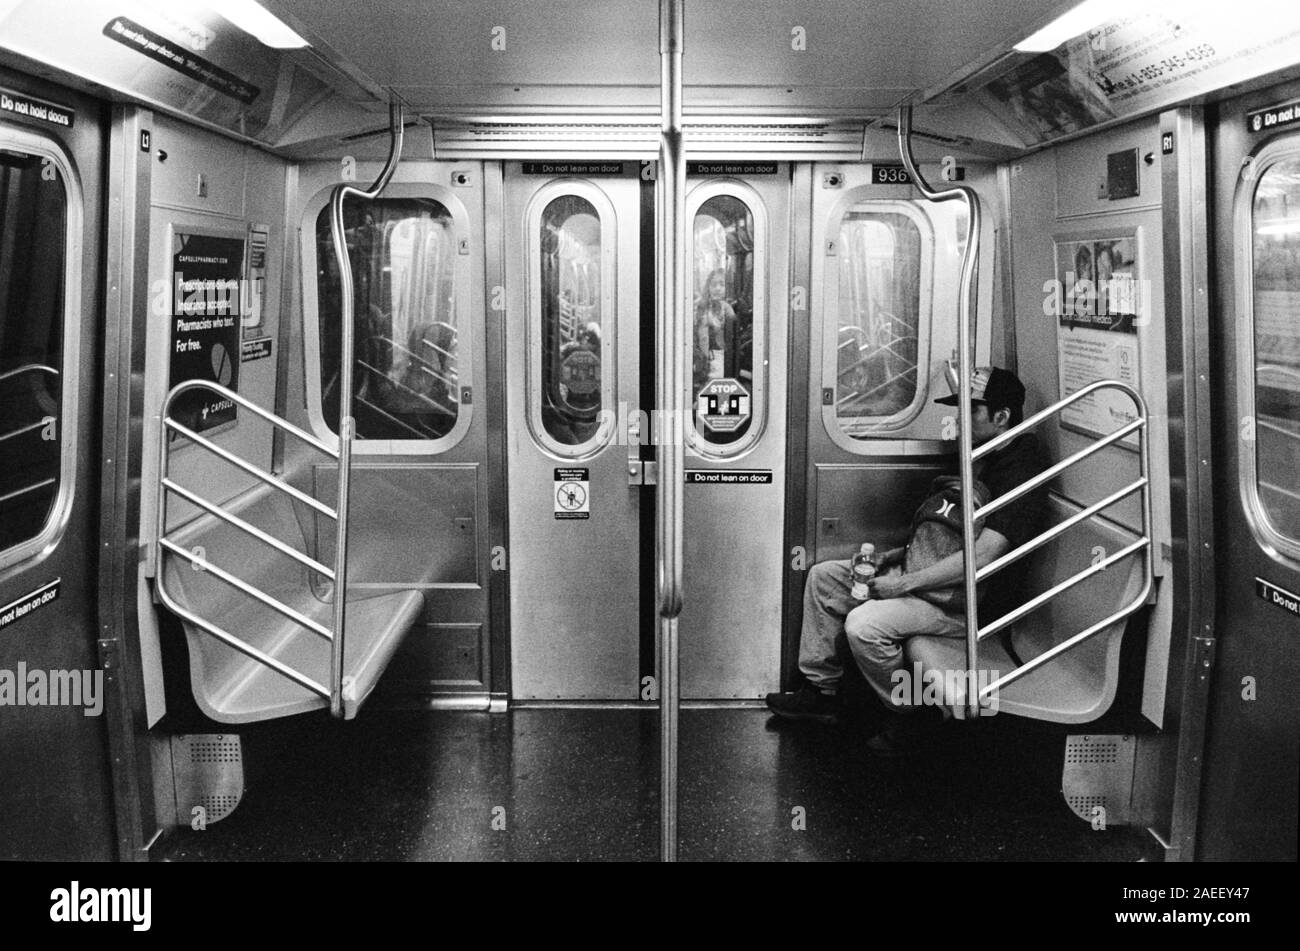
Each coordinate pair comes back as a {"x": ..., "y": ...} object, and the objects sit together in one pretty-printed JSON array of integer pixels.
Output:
[{"x": 806, "y": 703}]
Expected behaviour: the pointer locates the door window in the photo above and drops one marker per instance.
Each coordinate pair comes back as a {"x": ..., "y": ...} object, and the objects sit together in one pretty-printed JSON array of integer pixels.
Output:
[
  {"x": 33, "y": 285},
  {"x": 571, "y": 320},
  {"x": 1275, "y": 374},
  {"x": 878, "y": 325},
  {"x": 406, "y": 371},
  {"x": 729, "y": 320}
]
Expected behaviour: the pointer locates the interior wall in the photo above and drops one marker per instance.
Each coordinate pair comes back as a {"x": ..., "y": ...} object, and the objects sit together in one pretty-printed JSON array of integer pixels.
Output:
[
  {"x": 242, "y": 187},
  {"x": 1058, "y": 195}
]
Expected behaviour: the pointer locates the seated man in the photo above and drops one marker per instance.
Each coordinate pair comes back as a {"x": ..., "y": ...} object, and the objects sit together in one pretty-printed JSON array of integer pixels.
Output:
[{"x": 905, "y": 603}]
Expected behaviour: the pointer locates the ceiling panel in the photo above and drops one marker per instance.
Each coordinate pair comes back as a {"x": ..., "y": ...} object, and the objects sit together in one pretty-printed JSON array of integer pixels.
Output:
[{"x": 861, "y": 56}]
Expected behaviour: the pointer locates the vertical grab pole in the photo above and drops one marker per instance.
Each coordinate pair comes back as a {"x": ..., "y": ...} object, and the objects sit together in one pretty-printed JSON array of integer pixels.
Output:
[
  {"x": 671, "y": 381},
  {"x": 347, "y": 425},
  {"x": 964, "y": 336}
]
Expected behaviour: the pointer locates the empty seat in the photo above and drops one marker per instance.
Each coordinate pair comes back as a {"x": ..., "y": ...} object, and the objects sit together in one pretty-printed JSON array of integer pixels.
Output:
[
  {"x": 1079, "y": 685},
  {"x": 231, "y": 687}
]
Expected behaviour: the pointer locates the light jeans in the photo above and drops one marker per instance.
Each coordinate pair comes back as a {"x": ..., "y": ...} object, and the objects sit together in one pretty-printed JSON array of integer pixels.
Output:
[{"x": 876, "y": 629}]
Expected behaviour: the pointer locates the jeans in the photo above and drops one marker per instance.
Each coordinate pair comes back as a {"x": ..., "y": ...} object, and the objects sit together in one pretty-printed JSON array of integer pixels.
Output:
[{"x": 876, "y": 629}]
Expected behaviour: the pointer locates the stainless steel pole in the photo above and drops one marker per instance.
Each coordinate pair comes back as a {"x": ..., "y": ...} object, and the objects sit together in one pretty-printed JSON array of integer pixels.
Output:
[
  {"x": 671, "y": 381},
  {"x": 347, "y": 425},
  {"x": 964, "y": 337}
]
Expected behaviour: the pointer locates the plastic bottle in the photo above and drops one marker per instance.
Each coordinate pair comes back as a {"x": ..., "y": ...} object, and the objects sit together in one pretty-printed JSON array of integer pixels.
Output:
[{"x": 864, "y": 569}]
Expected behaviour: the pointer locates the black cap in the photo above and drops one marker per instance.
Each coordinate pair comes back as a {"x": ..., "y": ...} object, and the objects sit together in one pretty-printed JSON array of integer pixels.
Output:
[{"x": 994, "y": 386}]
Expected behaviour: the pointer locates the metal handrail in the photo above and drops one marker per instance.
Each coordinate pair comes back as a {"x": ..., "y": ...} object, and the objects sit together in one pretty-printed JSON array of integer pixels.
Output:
[
  {"x": 1056, "y": 469},
  {"x": 243, "y": 647},
  {"x": 1059, "y": 529},
  {"x": 28, "y": 368},
  {"x": 39, "y": 424},
  {"x": 255, "y": 471},
  {"x": 1011, "y": 617},
  {"x": 347, "y": 424},
  {"x": 26, "y": 489},
  {"x": 390, "y": 417},
  {"x": 402, "y": 386},
  {"x": 249, "y": 589},
  {"x": 18, "y": 371},
  {"x": 248, "y": 529},
  {"x": 970, "y": 258},
  {"x": 163, "y": 543},
  {"x": 253, "y": 408},
  {"x": 968, "y": 455},
  {"x": 343, "y": 456},
  {"x": 1142, "y": 544}
]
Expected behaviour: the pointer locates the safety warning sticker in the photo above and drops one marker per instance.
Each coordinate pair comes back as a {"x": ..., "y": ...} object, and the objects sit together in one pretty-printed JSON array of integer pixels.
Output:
[
  {"x": 573, "y": 493},
  {"x": 723, "y": 405},
  {"x": 1278, "y": 597},
  {"x": 38, "y": 110},
  {"x": 1274, "y": 117},
  {"x": 17, "y": 610},
  {"x": 728, "y": 476}
]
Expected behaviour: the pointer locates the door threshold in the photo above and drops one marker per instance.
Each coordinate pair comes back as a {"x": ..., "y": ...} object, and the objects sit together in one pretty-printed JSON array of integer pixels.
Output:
[{"x": 737, "y": 704}]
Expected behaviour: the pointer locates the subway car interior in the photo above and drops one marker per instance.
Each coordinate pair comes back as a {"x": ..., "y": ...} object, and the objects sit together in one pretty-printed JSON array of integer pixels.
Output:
[{"x": 427, "y": 430}]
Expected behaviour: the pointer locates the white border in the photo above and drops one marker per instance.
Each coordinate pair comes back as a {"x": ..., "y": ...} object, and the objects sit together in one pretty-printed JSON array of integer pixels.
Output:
[
  {"x": 22, "y": 140},
  {"x": 696, "y": 443},
  {"x": 464, "y": 338},
  {"x": 890, "y": 426},
  {"x": 591, "y": 193},
  {"x": 1278, "y": 546}
]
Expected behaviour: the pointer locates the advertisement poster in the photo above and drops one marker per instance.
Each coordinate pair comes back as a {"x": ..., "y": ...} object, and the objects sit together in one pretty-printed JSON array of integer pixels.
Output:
[
  {"x": 1098, "y": 306},
  {"x": 1135, "y": 64},
  {"x": 207, "y": 274}
]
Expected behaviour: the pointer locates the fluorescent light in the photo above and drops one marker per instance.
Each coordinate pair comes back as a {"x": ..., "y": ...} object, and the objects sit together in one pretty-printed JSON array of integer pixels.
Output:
[
  {"x": 251, "y": 17},
  {"x": 1076, "y": 22}
]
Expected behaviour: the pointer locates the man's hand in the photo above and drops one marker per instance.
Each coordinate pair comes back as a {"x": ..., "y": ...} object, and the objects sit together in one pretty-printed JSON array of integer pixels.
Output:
[
  {"x": 895, "y": 556},
  {"x": 889, "y": 586}
]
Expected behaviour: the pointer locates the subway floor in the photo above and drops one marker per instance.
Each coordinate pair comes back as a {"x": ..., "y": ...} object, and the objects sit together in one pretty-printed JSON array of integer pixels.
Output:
[{"x": 556, "y": 784}]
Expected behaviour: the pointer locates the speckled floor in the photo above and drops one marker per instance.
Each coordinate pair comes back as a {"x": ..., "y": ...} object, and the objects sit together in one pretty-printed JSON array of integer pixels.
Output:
[{"x": 582, "y": 785}]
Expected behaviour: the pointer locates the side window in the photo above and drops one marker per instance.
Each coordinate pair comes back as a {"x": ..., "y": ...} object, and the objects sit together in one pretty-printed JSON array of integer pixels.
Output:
[
  {"x": 406, "y": 379},
  {"x": 33, "y": 240},
  {"x": 728, "y": 320},
  {"x": 879, "y": 331},
  {"x": 1275, "y": 278},
  {"x": 571, "y": 323}
]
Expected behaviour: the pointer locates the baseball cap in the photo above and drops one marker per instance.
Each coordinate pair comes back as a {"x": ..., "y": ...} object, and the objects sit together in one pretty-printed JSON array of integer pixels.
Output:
[{"x": 995, "y": 386}]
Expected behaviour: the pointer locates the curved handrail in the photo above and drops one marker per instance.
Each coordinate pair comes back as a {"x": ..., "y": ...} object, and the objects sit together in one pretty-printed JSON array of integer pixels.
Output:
[
  {"x": 243, "y": 647},
  {"x": 997, "y": 442},
  {"x": 1142, "y": 545},
  {"x": 256, "y": 410},
  {"x": 164, "y": 544},
  {"x": 970, "y": 258},
  {"x": 347, "y": 425},
  {"x": 28, "y": 368}
]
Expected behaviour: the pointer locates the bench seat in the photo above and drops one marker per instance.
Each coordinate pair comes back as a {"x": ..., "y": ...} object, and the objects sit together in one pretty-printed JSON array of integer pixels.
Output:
[
  {"x": 1079, "y": 685},
  {"x": 231, "y": 687}
]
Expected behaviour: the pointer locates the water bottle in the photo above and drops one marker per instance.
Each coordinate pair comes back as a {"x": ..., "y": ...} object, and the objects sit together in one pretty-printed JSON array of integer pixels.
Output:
[{"x": 864, "y": 569}]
